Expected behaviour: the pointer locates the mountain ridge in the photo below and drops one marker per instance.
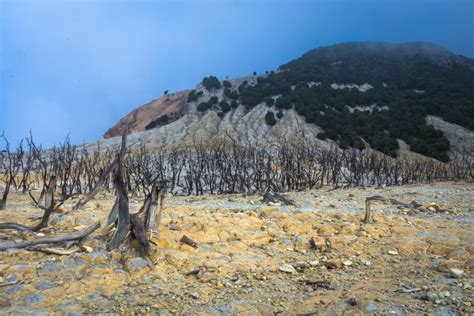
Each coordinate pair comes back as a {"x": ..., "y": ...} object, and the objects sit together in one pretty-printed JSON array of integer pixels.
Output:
[{"x": 354, "y": 94}]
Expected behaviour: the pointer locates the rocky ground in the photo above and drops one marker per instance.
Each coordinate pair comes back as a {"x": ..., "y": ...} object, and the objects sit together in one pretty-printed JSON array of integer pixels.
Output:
[{"x": 252, "y": 258}]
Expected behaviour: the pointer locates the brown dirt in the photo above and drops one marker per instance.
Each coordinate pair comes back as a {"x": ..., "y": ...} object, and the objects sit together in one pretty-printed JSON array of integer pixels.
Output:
[
  {"x": 171, "y": 104},
  {"x": 256, "y": 259}
]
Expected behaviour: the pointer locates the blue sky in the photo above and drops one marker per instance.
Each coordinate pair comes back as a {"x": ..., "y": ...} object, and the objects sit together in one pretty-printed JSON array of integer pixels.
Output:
[{"x": 79, "y": 66}]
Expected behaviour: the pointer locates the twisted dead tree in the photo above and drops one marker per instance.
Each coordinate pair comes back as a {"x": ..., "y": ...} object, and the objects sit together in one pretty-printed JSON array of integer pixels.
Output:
[{"x": 122, "y": 226}]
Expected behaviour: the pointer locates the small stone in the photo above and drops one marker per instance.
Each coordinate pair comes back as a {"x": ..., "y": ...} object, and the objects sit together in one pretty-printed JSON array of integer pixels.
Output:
[
  {"x": 288, "y": 268},
  {"x": 333, "y": 263},
  {"x": 319, "y": 243},
  {"x": 34, "y": 298},
  {"x": 87, "y": 248},
  {"x": 352, "y": 302},
  {"x": 301, "y": 265},
  {"x": 51, "y": 266},
  {"x": 136, "y": 265},
  {"x": 194, "y": 295},
  {"x": 347, "y": 263},
  {"x": 314, "y": 263},
  {"x": 371, "y": 307},
  {"x": 393, "y": 252},
  {"x": 40, "y": 234},
  {"x": 431, "y": 297},
  {"x": 456, "y": 273},
  {"x": 11, "y": 278}
]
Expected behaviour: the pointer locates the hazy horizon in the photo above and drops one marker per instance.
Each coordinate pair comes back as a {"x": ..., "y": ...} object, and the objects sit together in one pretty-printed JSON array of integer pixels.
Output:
[{"x": 78, "y": 67}]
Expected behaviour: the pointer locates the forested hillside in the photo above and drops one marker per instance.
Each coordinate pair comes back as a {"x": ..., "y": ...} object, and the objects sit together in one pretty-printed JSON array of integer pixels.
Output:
[{"x": 364, "y": 93}]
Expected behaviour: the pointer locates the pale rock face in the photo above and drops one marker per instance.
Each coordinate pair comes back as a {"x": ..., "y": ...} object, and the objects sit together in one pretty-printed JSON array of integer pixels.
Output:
[
  {"x": 248, "y": 128},
  {"x": 314, "y": 84},
  {"x": 362, "y": 88},
  {"x": 461, "y": 139},
  {"x": 370, "y": 108}
]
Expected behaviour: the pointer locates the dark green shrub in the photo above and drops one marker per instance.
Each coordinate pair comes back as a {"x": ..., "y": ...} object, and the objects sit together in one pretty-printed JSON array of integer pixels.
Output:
[
  {"x": 225, "y": 107},
  {"x": 270, "y": 118},
  {"x": 204, "y": 106},
  {"x": 192, "y": 96},
  {"x": 162, "y": 120},
  {"x": 213, "y": 100},
  {"x": 211, "y": 83},
  {"x": 322, "y": 136},
  {"x": 269, "y": 101}
]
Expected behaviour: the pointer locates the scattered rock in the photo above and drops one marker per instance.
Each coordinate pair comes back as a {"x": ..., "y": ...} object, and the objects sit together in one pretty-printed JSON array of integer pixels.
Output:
[
  {"x": 333, "y": 263},
  {"x": 319, "y": 243},
  {"x": 347, "y": 263},
  {"x": 87, "y": 248},
  {"x": 370, "y": 307},
  {"x": 50, "y": 266},
  {"x": 34, "y": 298},
  {"x": 136, "y": 265},
  {"x": 393, "y": 252},
  {"x": 288, "y": 268},
  {"x": 456, "y": 273}
]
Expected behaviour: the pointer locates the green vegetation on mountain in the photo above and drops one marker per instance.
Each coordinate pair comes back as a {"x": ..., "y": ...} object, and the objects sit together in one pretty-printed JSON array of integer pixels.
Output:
[
  {"x": 270, "y": 118},
  {"x": 404, "y": 84},
  {"x": 211, "y": 83}
]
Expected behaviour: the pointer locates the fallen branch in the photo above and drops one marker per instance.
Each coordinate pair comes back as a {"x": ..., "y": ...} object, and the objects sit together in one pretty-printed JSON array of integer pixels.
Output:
[
  {"x": 49, "y": 240},
  {"x": 188, "y": 241},
  {"x": 54, "y": 251},
  {"x": 18, "y": 281}
]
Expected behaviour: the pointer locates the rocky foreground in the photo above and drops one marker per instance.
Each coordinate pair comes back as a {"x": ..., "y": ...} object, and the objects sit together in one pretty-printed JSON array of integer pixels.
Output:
[{"x": 252, "y": 258}]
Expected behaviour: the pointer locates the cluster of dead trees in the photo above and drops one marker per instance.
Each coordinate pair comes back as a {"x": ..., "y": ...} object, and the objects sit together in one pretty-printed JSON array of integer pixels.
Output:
[
  {"x": 224, "y": 167},
  {"x": 63, "y": 172},
  {"x": 217, "y": 168},
  {"x": 53, "y": 176}
]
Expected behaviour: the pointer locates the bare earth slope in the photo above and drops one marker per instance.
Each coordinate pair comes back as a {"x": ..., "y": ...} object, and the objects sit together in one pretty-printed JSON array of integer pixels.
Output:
[
  {"x": 169, "y": 104},
  {"x": 256, "y": 259},
  {"x": 247, "y": 127}
]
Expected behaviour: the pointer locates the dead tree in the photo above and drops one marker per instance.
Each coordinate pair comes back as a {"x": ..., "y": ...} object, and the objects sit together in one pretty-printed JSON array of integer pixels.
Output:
[
  {"x": 98, "y": 186},
  {"x": 50, "y": 204},
  {"x": 368, "y": 201},
  {"x": 121, "y": 224},
  {"x": 10, "y": 164}
]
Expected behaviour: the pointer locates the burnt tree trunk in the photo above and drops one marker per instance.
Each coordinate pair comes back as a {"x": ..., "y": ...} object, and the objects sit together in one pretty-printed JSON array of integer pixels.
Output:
[{"x": 125, "y": 225}]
